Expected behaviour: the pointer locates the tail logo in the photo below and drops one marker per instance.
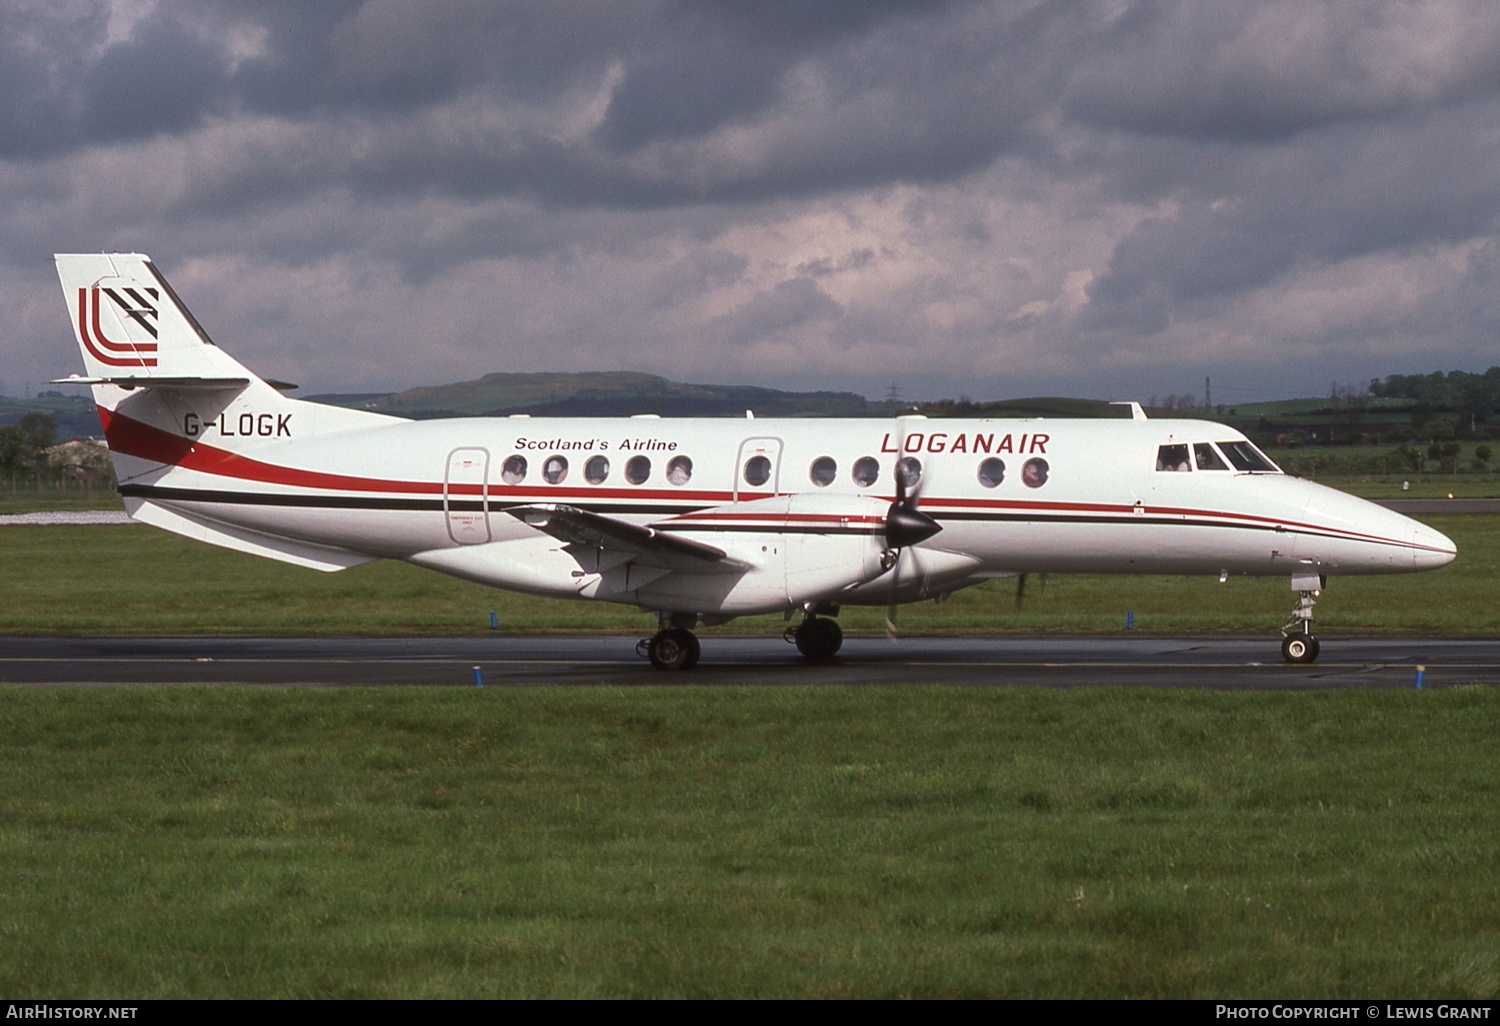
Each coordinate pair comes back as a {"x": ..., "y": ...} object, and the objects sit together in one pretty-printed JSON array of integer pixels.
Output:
[{"x": 136, "y": 309}]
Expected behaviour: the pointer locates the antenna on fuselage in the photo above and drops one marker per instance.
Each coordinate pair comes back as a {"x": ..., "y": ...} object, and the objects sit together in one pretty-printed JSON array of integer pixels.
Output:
[{"x": 1136, "y": 413}]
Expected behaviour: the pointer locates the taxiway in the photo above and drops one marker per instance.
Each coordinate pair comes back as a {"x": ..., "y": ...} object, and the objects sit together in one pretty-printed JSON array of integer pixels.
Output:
[{"x": 506, "y": 661}]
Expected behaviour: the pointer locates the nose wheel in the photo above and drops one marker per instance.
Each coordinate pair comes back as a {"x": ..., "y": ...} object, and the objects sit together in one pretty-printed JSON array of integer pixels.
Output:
[
  {"x": 1298, "y": 644},
  {"x": 1299, "y": 648}
]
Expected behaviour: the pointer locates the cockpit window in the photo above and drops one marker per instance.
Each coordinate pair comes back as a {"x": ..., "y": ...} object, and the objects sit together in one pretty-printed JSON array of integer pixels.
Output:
[
  {"x": 1207, "y": 457},
  {"x": 1173, "y": 457},
  {"x": 1245, "y": 456}
]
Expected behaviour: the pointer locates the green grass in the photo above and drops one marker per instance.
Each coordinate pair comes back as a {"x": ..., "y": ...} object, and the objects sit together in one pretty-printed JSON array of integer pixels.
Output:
[
  {"x": 133, "y": 579},
  {"x": 46, "y": 497},
  {"x": 754, "y": 842}
]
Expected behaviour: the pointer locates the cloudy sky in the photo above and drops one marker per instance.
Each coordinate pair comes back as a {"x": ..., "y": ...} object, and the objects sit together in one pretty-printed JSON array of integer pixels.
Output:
[{"x": 1108, "y": 198}]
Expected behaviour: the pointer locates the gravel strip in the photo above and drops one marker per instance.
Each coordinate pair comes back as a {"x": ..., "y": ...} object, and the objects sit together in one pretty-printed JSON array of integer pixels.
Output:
[{"x": 98, "y": 516}]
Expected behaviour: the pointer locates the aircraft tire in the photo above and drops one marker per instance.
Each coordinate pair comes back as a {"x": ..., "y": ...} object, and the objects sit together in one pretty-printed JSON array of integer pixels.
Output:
[
  {"x": 674, "y": 649},
  {"x": 819, "y": 638},
  {"x": 1299, "y": 648}
]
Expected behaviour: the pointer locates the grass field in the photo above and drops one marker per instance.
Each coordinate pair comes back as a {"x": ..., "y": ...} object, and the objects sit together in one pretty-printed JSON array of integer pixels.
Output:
[
  {"x": 752, "y": 842},
  {"x": 132, "y": 579},
  {"x": 688, "y": 842}
]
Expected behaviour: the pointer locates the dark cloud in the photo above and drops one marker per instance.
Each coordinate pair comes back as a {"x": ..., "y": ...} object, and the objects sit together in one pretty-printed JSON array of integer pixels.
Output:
[
  {"x": 164, "y": 79},
  {"x": 1099, "y": 192},
  {"x": 786, "y": 305},
  {"x": 1260, "y": 72}
]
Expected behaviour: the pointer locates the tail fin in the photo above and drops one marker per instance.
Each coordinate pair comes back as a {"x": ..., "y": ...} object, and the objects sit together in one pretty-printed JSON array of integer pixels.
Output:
[
  {"x": 134, "y": 331},
  {"x": 181, "y": 416},
  {"x": 160, "y": 383}
]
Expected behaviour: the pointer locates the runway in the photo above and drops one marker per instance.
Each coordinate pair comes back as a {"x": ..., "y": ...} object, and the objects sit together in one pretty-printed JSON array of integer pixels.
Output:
[{"x": 504, "y": 661}]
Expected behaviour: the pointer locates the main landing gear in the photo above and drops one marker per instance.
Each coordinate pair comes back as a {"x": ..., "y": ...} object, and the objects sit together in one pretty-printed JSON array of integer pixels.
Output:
[
  {"x": 1297, "y": 643},
  {"x": 818, "y": 638},
  {"x": 675, "y": 646}
]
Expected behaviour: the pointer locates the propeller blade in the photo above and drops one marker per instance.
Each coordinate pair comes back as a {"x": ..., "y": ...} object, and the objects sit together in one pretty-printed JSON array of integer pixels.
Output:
[
  {"x": 890, "y": 607},
  {"x": 905, "y": 525},
  {"x": 1020, "y": 591}
]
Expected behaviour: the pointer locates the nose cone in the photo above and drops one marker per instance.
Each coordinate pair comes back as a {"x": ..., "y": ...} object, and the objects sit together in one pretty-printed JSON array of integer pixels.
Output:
[
  {"x": 1355, "y": 536},
  {"x": 1431, "y": 549}
]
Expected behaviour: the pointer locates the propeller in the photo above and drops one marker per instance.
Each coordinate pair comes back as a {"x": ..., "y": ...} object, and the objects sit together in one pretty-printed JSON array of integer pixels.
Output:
[
  {"x": 1021, "y": 589},
  {"x": 905, "y": 526}
]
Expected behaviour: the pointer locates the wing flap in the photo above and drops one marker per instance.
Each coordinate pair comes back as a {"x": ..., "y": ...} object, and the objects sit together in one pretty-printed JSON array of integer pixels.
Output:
[{"x": 587, "y": 530}]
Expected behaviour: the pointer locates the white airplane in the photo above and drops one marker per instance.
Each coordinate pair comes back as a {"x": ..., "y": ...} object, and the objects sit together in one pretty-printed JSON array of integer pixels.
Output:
[{"x": 696, "y": 520}]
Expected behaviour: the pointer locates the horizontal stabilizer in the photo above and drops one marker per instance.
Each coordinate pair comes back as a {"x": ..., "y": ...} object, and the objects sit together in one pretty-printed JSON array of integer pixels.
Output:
[
  {"x": 177, "y": 384},
  {"x": 212, "y": 384},
  {"x": 580, "y": 527}
]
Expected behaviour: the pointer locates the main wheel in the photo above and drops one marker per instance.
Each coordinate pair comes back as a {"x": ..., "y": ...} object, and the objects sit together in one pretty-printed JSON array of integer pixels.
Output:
[
  {"x": 673, "y": 649},
  {"x": 1299, "y": 648},
  {"x": 819, "y": 638}
]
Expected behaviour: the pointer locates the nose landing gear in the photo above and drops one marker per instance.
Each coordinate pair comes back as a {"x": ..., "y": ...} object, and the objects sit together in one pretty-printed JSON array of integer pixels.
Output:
[{"x": 1297, "y": 643}]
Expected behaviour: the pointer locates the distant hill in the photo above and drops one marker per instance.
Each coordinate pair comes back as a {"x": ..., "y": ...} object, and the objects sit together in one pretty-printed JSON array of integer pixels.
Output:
[
  {"x": 1038, "y": 406},
  {"x": 605, "y": 394},
  {"x": 623, "y": 393}
]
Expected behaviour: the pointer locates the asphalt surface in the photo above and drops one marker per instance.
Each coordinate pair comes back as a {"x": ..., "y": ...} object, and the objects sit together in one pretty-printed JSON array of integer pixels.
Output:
[
  {"x": 1220, "y": 663},
  {"x": 1421, "y": 507}
]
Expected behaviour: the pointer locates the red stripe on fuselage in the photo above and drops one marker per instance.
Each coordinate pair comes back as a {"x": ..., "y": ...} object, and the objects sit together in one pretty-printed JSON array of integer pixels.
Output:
[{"x": 134, "y": 438}]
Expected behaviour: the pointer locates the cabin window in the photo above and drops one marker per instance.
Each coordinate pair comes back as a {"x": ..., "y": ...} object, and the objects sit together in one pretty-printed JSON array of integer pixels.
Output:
[
  {"x": 757, "y": 471},
  {"x": 910, "y": 469},
  {"x": 596, "y": 470},
  {"x": 824, "y": 470},
  {"x": 680, "y": 470},
  {"x": 1245, "y": 456},
  {"x": 638, "y": 470},
  {"x": 1173, "y": 458},
  {"x": 513, "y": 471},
  {"x": 991, "y": 472},
  {"x": 555, "y": 470},
  {"x": 866, "y": 471},
  {"x": 1207, "y": 457},
  {"x": 1034, "y": 472}
]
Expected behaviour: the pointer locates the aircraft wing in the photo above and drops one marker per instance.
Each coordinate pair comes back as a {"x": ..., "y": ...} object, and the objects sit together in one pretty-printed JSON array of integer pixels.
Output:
[{"x": 587, "y": 530}]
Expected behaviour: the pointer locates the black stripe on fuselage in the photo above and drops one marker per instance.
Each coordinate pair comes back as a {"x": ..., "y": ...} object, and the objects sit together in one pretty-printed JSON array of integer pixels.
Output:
[{"x": 498, "y": 505}]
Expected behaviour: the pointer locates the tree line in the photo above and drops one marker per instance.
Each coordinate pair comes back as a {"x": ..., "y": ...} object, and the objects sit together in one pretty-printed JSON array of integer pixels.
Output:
[
  {"x": 1469, "y": 395},
  {"x": 22, "y": 443}
]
